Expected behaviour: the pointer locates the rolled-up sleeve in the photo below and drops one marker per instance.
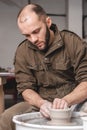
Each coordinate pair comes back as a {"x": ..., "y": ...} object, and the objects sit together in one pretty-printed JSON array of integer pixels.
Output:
[
  {"x": 80, "y": 59},
  {"x": 24, "y": 76}
]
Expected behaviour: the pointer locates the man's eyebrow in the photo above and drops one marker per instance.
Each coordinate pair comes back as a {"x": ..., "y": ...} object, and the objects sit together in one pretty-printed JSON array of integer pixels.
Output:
[
  {"x": 36, "y": 29},
  {"x": 27, "y": 34}
]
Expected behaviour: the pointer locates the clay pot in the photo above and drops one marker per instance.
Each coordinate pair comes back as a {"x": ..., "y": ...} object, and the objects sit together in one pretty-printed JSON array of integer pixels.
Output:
[{"x": 60, "y": 116}]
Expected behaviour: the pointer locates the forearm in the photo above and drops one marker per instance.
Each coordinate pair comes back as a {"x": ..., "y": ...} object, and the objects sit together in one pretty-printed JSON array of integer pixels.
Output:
[
  {"x": 32, "y": 97},
  {"x": 78, "y": 95}
]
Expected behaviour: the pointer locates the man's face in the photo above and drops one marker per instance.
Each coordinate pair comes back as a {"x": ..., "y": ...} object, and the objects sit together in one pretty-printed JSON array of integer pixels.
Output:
[{"x": 36, "y": 31}]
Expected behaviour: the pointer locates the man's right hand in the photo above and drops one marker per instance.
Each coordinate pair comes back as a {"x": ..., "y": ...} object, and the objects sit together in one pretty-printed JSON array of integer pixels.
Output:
[
  {"x": 59, "y": 104},
  {"x": 44, "y": 109}
]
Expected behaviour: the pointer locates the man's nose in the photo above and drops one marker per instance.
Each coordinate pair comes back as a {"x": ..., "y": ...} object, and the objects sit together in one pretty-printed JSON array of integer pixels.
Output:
[{"x": 34, "y": 39}]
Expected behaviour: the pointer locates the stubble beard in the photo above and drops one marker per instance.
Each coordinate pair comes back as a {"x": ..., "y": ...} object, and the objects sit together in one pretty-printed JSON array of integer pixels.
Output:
[{"x": 47, "y": 39}]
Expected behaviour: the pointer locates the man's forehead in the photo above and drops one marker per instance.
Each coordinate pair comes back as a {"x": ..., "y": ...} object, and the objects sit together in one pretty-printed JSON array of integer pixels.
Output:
[
  {"x": 25, "y": 19},
  {"x": 28, "y": 24},
  {"x": 28, "y": 17}
]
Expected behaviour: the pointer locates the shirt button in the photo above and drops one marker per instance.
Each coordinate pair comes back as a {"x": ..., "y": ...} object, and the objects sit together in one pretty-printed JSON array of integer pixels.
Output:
[
  {"x": 58, "y": 44},
  {"x": 45, "y": 59}
]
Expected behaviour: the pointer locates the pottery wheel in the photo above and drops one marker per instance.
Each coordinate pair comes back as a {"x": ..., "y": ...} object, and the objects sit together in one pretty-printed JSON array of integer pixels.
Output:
[
  {"x": 71, "y": 123},
  {"x": 48, "y": 122},
  {"x": 35, "y": 121}
]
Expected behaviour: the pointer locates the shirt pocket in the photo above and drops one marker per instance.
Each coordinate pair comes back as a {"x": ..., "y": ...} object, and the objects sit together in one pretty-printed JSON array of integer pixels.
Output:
[
  {"x": 63, "y": 71},
  {"x": 39, "y": 74},
  {"x": 61, "y": 65},
  {"x": 35, "y": 68}
]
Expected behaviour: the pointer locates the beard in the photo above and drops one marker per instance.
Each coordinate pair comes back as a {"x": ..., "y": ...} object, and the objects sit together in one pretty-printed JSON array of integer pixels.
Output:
[{"x": 47, "y": 39}]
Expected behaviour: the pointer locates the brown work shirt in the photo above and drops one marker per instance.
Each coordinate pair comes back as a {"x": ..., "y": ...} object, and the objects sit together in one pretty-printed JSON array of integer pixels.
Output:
[{"x": 54, "y": 73}]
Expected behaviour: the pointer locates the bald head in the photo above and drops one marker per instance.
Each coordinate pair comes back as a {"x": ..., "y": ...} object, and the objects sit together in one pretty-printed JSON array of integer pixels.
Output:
[
  {"x": 35, "y": 25},
  {"x": 31, "y": 9}
]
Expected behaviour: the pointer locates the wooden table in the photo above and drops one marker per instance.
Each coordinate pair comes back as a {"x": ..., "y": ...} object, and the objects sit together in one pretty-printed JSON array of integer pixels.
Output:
[{"x": 3, "y": 77}]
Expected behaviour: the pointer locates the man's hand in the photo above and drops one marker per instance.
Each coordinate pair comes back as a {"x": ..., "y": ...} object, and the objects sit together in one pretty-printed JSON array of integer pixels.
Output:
[
  {"x": 44, "y": 109},
  {"x": 59, "y": 104}
]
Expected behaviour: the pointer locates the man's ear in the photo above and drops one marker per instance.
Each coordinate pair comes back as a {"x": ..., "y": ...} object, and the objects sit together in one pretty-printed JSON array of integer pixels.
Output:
[{"x": 48, "y": 21}]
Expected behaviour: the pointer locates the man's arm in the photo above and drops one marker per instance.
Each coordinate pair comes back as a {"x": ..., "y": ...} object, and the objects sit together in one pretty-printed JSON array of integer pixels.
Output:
[
  {"x": 32, "y": 97},
  {"x": 78, "y": 95}
]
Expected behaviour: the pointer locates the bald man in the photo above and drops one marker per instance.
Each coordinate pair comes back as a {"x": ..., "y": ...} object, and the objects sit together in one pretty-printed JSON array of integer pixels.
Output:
[{"x": 50, "y": 66}]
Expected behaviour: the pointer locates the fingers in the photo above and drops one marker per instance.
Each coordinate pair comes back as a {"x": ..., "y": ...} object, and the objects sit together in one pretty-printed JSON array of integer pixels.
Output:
[
  {"x": 45, "y": 113},
  {"x": 59, "y": 104},
  {"x": 44, "y": 109}
]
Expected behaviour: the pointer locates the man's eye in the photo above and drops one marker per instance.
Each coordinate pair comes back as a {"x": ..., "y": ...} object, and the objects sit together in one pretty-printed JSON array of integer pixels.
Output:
[
  {"x": 27, "y": 35},
  {"x": 36, "y": 31}
]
